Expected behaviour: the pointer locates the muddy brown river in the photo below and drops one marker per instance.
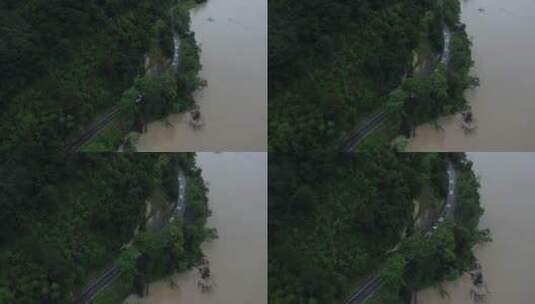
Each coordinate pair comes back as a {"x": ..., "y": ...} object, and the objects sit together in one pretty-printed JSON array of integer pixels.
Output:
[
  {"x": 233, "y": 39},
  {"x": 508, "y": 196},
  {"x": 238, "y": 258},
  {"x": 504, "y": 105}
]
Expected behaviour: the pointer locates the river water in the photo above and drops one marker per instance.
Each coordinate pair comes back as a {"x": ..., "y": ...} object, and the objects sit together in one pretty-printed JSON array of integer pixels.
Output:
[
  {"x": 238, "y": 258},
  {"x": 233, "y": 39},
  {"x": 504, "y": 105},
  {"x": 508, "y": 196}
]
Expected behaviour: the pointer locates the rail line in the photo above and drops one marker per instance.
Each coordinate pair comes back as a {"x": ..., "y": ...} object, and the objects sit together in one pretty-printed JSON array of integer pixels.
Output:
[
  {"x": 353, "y": 140},
  {"x": 375, "y": 282},
  {"x": 113, "y": 272},
  {"x": 92, "y": 130}
]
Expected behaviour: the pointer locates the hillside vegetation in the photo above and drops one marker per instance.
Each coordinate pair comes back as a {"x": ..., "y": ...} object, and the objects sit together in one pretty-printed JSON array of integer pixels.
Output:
[
  {"x": 64, "y": 63},
  {"x": 332, "y": 64},
  {"x": 64, "y": 221},
  {"x": 334, "y": 220}
]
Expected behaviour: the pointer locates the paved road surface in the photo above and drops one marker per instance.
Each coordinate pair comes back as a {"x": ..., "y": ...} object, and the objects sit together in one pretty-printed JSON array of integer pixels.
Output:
[
  {"x": 353, "y": 140},
  {"x": 113, "y": 272},
  {"x": 374, "y": 283}
]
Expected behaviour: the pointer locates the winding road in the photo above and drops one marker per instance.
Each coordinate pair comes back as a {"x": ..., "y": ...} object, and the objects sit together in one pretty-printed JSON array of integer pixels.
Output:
[
  {"x": 350, "y": 143},
  {"x": 374, "y": 283},
  {"x": 113, "y": 272},
  {"x": 101, "y": 122}
]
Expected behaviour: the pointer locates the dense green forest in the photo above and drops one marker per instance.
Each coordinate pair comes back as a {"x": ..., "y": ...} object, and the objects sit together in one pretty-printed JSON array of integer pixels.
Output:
[
  {"x": 64, "y": 63},
  {"x": 333, "y": 64},
  {"x": 64, "y": 221},
  {"x": 334, "y": 219}
]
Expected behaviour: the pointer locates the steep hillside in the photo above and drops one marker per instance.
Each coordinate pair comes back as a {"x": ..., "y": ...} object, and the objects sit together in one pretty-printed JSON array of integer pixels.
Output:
[
  {"x": 333, "y": 64},
  {"x": 66, "y": 63},
  {"x": 337, "y": 219},
  {"x": 64, "y": 221}
]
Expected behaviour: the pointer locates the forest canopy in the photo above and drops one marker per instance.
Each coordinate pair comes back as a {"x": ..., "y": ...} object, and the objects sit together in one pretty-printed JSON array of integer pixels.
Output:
[
  {"x": 336, "y": 219},
  {"x": 65, "y": 219},
  {"x": 334, "y": 63},
  {"x": 63, "y": 63}
]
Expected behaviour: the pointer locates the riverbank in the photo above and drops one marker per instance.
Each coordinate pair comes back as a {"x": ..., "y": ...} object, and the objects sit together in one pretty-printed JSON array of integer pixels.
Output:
[
  {"x": 166, "y": 87},
  {"x": 237, "y": 258},
  {"x": 428, "y": 96},
  {"x": 507, "y": 196},
  {"x": 434, "y": 88},
  {"x": 503, "y": 103},
  {"x": 443, "y": 253},
  {"x": 168, "y": 243},
  {"x": 233, "y": 36}
]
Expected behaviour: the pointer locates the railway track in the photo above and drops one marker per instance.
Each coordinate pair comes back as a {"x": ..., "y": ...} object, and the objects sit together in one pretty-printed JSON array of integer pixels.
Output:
[
  {"x": 375, "y": 282},
  {"x": 103, "y": 281},
  {"x": 113, "y": 272},
  {"x": 96, "y": 126},
  {"x": 92, "y": 130},
  {"x": 351, "y": 143}
]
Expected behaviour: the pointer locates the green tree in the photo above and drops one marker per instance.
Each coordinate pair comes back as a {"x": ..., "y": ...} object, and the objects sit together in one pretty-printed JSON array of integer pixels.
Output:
[
  {"x": 126, "y": 262},
  {"x": 392, "y": 276}
]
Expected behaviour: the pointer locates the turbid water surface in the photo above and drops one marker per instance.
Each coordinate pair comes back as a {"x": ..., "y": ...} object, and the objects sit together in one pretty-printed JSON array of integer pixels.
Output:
[
  {"x": 233, "y": 39},
  {"x": 504, "y": 105}
]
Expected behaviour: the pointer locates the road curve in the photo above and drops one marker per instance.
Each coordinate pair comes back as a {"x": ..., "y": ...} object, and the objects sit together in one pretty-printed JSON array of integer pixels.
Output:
[
  {"x": 374, "y": 283},
  {"x": 106, "y": 118},
  {"x": 353, "y": 140},
  {"x": 113, "y": 272}
]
